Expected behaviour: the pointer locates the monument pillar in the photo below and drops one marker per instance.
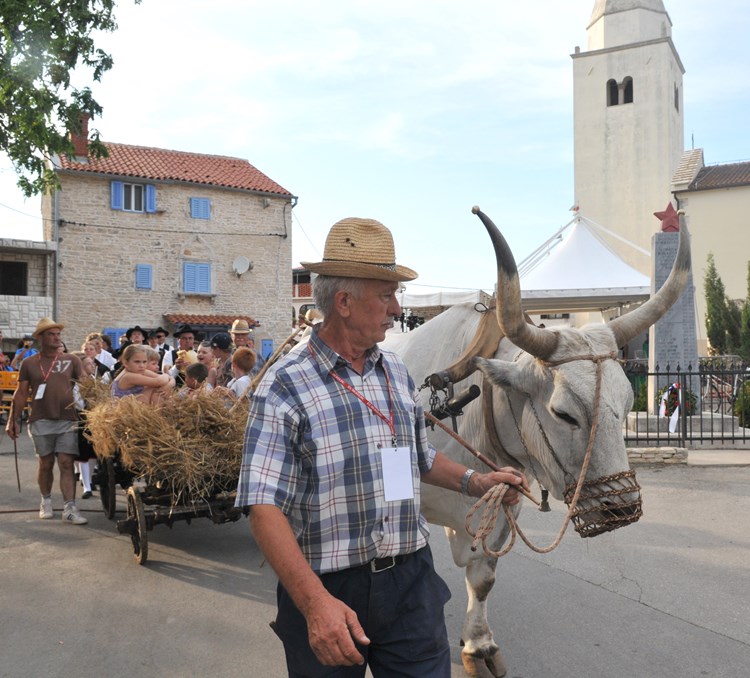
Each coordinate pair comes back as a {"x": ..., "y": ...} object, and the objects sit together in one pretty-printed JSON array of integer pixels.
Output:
[{"x": 673, "y": 339}]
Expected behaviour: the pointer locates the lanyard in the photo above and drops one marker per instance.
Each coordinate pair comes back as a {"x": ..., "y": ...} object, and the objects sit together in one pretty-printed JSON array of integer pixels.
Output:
[
  {"x": 49, "y": 371},
  {"x": 389, "y": 419}
]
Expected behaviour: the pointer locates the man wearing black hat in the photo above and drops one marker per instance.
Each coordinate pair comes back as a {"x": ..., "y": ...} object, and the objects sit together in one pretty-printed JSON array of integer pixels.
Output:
[
  {"x": 160, "y": 334},
  {"x": 175, "y": 361},
  {"x": 221, "y": 345}
]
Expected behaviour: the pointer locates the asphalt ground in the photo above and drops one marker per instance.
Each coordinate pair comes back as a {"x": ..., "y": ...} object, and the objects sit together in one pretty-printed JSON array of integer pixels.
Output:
[{"x": 667, "y": 597}]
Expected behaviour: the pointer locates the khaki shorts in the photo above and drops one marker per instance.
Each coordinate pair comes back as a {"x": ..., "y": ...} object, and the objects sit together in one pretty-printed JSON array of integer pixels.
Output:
[{"x": 57, "y": 443}]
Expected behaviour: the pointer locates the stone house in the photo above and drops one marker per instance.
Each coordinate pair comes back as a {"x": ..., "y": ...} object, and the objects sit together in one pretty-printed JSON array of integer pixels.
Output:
[{"x": 153, "y": 237}]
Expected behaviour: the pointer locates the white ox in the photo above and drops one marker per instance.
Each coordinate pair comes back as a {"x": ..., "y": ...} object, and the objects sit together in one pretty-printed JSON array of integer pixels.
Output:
[{"x": 553, "y": 407}]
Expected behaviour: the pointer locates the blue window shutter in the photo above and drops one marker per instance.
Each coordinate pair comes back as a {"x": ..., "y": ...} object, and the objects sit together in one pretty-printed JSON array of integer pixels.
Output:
[
  {"x": 190, "y": 278},
  {"x": 200, "y": 208},
  {"x": 143, "y": 277},
  {"x": 196, "y": 278},
  {"x": 114, "y": 334},
  {"x": 117, "y": 192},
  {"x": 150, "y": 198},
  {"x": 204, "y": 278}
]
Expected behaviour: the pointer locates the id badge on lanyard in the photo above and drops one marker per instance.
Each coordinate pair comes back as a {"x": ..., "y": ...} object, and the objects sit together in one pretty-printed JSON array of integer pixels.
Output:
[{"x": 397, "y": 474}]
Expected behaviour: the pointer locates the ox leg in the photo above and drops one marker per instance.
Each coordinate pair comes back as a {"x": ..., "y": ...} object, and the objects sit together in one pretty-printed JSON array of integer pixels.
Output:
[{"x": 481, "y": 655}]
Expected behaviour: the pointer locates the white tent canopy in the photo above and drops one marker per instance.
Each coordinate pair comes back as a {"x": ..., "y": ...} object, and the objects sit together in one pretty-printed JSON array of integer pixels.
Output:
[
  {"x": 577, "y": 271},
  {"x": 419, "y": 296}
]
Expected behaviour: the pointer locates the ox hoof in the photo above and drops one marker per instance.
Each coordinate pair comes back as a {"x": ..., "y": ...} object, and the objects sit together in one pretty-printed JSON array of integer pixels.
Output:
[{"x": 486, "y": 665}]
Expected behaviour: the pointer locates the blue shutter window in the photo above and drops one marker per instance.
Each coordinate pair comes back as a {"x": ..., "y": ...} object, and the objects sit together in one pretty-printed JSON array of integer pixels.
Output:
[
  {"x": 197, "y": 278},
  {"x": 150, "y": 198},
  {"x": 117, "y": 195},
  {"x": 143, "y": 277},
  {"x": 114, "y": 334},
  {"x": 200, "y": 208}
]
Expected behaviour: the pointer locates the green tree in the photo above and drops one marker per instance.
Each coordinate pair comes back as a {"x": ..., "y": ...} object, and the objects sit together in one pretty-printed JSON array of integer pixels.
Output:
[
  {"x": 723, "y": 316},
  {"x": 745, "y": 325},
  {"x": 41, "y": 43}
]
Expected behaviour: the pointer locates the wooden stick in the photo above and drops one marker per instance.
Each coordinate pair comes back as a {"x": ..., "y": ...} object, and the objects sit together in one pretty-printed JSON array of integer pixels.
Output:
[{"x": 477, "y": 454}]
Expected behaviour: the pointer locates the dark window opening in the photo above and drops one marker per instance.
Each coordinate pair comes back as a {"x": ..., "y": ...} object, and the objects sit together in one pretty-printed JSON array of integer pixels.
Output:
[
  {"x": 628, "y": 91},
  {"x": 14, "y": 278},
  {"x": 676, "y": 98},
  {"x": 612, "y": 93}
]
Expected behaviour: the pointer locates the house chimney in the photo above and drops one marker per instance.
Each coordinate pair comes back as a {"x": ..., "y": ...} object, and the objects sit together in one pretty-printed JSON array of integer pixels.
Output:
[{"x": 80, "y": 140}]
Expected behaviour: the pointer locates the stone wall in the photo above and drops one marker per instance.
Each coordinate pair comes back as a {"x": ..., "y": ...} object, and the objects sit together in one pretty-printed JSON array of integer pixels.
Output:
[
  {"x": 20, "y": 314},
  {"x": 99, "y": 249}
]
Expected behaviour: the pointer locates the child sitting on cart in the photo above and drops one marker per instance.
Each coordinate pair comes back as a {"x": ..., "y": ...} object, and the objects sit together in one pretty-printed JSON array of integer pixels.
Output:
[
  {"x": 243, "y": 361},
  {"x": 196, "y": 381},
  {"x": 137, "y": 380}
]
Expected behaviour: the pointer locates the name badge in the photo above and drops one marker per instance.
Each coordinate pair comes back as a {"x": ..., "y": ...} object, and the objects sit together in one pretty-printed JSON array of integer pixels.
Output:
[
  {"x": 397, "y": 473},
  {"x": 40, "y": 392}
]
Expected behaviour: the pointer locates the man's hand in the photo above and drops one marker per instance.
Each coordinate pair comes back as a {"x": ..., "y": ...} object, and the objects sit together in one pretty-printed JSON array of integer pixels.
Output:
[
  {"x": 480, "y": 483},
  {"x": 12, "y": 428},
  {"x": 332, "y": 629}
]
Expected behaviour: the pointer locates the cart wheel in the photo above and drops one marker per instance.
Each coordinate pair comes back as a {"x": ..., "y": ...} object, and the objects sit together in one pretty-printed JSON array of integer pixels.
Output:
[
  {"x": 108, "y": 488},
  {"x": 138, "y": 536}
]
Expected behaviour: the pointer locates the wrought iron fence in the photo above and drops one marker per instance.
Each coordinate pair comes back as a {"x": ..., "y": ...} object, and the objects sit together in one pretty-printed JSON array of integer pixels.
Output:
[{"x": 707, "y": 406}]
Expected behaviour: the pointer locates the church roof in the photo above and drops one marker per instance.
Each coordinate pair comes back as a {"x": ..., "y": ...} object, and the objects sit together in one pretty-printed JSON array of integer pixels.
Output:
[
  {"x": 727, "y": 175},
  {"x": 691, "y": 163}
]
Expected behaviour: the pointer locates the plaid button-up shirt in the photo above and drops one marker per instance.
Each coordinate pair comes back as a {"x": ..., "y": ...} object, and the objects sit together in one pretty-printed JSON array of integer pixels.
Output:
[{"x": 312, "y": 449}]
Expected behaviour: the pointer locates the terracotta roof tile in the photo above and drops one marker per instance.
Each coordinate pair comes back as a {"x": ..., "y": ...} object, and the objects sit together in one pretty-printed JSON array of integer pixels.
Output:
[
  {"x": 213, "y": 319},
  {"x": 158, "y": 164},
  {"x": 722, "y": 176}
]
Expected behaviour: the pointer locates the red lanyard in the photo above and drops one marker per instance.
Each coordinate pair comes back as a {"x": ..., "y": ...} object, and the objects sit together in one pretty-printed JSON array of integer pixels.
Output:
[
  {"x": 49, "y": 371},
  {"x": 389, "y": 419}
]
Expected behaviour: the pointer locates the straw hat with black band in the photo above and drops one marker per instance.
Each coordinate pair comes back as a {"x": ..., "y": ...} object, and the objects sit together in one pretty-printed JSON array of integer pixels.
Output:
[
  {"x": 360, "y": 248},
  {"x": 46, "y": 324}
]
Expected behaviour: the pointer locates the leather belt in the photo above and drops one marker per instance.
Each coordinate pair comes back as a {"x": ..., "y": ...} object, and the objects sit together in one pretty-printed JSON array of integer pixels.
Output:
[{"x": 381, "y": 564}]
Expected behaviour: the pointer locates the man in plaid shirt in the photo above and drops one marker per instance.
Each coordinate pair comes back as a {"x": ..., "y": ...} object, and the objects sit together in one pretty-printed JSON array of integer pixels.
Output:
[{"x": 335, "y": 449}]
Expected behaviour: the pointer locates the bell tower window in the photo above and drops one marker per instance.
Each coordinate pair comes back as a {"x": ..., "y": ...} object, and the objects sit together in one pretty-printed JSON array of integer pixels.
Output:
[
  {"x": 613, "y": 93},
  {"x": 627, "y": 87}
]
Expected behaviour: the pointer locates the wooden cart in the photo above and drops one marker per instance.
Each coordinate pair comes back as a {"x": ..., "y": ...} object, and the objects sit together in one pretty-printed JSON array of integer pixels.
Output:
[{"x": 149, "y": 505}]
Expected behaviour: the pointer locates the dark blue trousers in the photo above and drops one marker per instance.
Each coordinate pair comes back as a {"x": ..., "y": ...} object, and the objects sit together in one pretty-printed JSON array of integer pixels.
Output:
[{"x": 401, "y": 611}]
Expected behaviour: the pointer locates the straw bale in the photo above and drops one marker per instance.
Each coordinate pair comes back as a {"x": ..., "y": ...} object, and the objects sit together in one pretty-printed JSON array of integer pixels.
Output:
[
  {"x": 94, "y": 391},
  {"x": 193, "y": 446}
]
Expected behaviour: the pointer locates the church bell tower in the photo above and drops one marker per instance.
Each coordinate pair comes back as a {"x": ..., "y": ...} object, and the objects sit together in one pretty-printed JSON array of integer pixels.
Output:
[{"x": 628, "y": 120}]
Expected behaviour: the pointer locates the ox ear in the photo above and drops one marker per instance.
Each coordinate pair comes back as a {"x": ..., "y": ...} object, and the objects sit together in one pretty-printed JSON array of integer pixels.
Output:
[{"x": 502, "y": 373}]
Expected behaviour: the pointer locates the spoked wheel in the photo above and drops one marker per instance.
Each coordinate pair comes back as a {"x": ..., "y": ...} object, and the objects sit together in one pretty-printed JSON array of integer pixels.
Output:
[
  {"x": 138, "y": 535},
  {"x": 108, "y": 487}
]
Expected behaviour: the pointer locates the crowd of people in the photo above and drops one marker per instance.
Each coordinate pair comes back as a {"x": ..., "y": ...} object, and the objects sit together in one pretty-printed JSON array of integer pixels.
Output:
[{"x": 144, "y": 366}]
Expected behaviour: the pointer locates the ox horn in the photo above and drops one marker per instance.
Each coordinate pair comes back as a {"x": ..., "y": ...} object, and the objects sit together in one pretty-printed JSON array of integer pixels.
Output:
[
  {"x": 631, "y": 324},
  {"x": 534, "y": 340}
]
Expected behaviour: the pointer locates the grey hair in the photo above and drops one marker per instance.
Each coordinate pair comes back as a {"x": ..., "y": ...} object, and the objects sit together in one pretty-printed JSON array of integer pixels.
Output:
[{"x": 326, "y": 286}]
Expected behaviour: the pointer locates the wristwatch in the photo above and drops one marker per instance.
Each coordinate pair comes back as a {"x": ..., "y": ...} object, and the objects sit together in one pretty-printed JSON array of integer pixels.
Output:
[{"x": 465, "y": 481}]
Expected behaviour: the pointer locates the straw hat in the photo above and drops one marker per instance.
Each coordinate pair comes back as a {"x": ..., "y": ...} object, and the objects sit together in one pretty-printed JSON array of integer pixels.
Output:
[
  {"x": 46, "y": 324},
  {"x": 240, "y": 326},
  {"x": 313, "y": 317},
  {"x": 360, "y": 248}
]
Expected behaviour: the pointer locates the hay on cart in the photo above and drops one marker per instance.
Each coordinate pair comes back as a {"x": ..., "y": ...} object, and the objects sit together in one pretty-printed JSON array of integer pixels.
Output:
[{"x": 193, "y": 446}]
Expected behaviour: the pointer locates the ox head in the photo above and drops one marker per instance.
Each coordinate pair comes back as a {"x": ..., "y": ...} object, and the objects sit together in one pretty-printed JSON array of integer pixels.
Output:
[{"x": 552, "y": 392}]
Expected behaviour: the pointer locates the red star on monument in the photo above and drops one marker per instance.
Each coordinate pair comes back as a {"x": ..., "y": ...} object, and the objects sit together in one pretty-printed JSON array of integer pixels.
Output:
[{"x": 670, "y": 219}]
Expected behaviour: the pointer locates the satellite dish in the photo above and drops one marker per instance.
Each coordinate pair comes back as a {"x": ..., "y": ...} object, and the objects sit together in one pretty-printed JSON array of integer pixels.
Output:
[{"x": 241, "y": 265}]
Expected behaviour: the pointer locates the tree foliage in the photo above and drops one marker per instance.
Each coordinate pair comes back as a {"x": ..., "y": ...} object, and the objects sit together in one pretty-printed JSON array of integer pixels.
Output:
[
  {"x": 745, "y": 322},
  {"x": 41, "y": 43},
  {"x": 723, "y": 316}
]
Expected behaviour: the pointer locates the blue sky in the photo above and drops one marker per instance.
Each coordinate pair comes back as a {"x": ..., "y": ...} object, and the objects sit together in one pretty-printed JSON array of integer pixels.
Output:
[{"x": 406, "y": 112}]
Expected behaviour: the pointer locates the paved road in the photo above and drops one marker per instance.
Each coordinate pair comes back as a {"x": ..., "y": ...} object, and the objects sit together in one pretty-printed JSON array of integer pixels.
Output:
[{"x": 668, "y": 597}]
